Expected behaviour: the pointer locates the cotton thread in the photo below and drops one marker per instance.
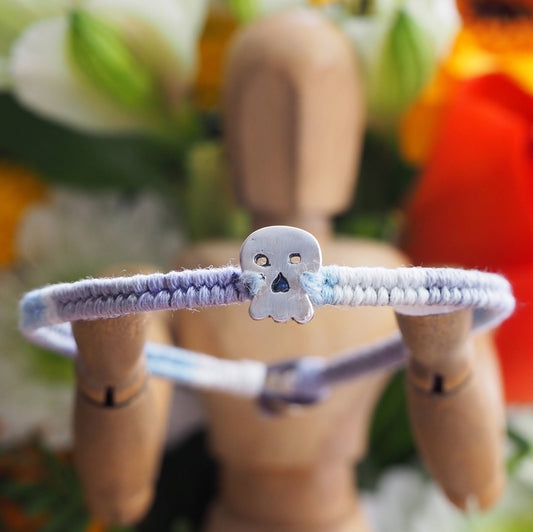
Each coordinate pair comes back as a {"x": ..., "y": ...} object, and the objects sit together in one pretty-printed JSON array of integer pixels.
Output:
[{"x": 45, "y": 313}]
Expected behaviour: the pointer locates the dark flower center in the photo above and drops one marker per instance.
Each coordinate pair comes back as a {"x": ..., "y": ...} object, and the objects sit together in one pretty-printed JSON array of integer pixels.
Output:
[{"x": 501, "y": 10}]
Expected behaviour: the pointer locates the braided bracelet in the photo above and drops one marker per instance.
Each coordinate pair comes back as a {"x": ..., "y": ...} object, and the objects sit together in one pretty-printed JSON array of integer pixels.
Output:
[{"x": 282, "y": 275}]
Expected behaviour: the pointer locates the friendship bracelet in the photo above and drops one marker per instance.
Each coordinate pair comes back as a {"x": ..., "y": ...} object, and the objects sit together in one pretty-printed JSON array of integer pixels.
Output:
[{"x": 282, "y": 275}]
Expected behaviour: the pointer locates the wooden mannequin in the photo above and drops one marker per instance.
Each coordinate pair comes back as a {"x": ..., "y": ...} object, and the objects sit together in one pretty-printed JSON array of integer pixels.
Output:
[{"x": 293, "y": 124}]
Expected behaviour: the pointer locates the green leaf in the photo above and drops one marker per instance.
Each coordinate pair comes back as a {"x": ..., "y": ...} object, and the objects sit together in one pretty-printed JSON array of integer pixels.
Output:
[
  {"x": 244, "y": 10},
  {"x": 181, "y": 525},
  {"x": 67, "y": 517},
  {"x": 19, "y": 492},
  {"x": 210, "y": 205},
  {"x": 63, "y": 156},
  {"x": 42, "y": 501},
  {"x": 57, "y": 494},
  {"x": 521, "y": 448},
  {"x": 391, "y": 441},
  {"x": 49, "y": 366},
  {"x": 519, "y": 523},
  {"x": 383, "y": 181}
]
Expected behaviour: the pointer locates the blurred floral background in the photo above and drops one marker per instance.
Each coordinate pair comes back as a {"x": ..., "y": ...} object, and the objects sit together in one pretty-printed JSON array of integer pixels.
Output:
[{"x": 110, "y": 134}]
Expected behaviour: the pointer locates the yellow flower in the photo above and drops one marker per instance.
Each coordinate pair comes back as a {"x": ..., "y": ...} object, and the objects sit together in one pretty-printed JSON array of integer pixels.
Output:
[
  {"x": 19, "y": 188},
  {"x": 220, "y": 26},
  {"x": 468, "y": 59},
  {"x": 420, "y": 123}
]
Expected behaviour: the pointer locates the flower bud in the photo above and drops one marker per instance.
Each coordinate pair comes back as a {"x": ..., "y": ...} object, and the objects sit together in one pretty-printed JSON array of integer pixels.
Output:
[
  {"x": 111, "y": 66},
  {"x": 404, "y": 64},
  {"x": 100, "y": 53}
]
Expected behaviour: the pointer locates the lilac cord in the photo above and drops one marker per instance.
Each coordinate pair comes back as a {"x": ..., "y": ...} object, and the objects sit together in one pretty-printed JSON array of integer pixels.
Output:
[
  {"x": 44, "y": 313},
  {"x": 113, "y": 297}
]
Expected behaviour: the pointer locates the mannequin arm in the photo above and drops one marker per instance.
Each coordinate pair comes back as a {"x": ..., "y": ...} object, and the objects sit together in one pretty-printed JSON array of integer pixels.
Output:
[
  {"x": 120, "y": 415},
  {"x": 456, "y": 406}
]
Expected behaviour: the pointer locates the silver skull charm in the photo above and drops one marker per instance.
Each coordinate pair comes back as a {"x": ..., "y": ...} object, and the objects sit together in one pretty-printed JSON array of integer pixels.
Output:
[{"x": 280, "y": 254}]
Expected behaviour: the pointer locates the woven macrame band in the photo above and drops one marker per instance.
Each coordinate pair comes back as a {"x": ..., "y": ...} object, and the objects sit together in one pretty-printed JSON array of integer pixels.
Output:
[{"x": 46, "y": 313}]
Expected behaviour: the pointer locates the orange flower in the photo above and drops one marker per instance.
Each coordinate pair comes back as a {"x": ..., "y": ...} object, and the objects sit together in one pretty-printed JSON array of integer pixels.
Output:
[
  {"x": 420, "y": 123},
  {"x": 466, "y": 60},
  {"x": 499, "y": 25},
  {"x": 218, "y": 31},
  {"x": 28, "y": 465},
  {"x": 474, "y": 205},
  {"x": 19, "y": 188}
]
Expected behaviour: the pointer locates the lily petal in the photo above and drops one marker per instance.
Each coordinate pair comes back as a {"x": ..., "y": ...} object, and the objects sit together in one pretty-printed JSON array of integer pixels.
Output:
[
  {"x": 44, "y": 80},
  {"x": 266, "y": 7},
  {"x": 15, "y": 15},
  {"x": 176, "y": 23},
  {"x": 163, "y": 34}
]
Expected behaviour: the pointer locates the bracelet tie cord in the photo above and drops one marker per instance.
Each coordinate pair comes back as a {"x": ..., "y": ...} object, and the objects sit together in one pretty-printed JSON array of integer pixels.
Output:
[{"x": 281, "y": 274}]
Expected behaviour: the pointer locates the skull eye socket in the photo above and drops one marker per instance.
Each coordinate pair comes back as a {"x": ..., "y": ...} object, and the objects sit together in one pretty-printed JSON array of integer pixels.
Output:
[
  {"x": 261, "y": 260},
  {"x": 295, "y": 258}
]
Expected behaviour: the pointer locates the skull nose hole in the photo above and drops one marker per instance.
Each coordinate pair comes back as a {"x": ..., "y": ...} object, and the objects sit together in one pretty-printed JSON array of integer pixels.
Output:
[{"x": 280, "y": 284}]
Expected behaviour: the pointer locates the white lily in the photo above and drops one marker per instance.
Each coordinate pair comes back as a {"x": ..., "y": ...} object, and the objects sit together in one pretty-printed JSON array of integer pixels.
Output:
[
  {"x": 399, "y": 43},
  {"x": 406, "y": 500},
  {"x": 44, "y": 80},
  {"x": 79, "y": 69},
  {"x": 439, "y": 18},
  {"x": 16, "y": 15}
]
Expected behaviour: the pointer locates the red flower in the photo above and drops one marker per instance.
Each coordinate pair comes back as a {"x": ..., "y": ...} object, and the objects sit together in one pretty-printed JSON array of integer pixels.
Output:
[{"x": 474, "y": 206}]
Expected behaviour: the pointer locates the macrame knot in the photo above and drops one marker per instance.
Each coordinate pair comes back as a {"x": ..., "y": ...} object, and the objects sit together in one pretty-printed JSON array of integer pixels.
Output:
[
  {"x": 252, "y": 281},
  {"x": 297, "y": 382},
  {"x": 320, "y": 286}
]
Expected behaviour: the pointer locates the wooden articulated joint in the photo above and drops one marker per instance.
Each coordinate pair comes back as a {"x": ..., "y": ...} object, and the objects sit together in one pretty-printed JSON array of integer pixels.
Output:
[
  {"x": 456, "y": 423},
  {"x": 113, "y": 379},
  {"x": 441, "y": 356},
  {"x": 117, "y": 437}
]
